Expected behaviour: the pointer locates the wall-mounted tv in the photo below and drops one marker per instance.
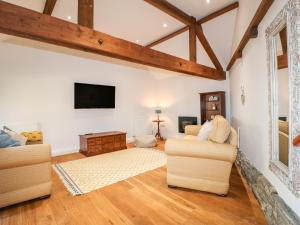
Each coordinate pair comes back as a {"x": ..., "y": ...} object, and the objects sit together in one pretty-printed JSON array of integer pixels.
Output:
[{"x": 91, "y": 96}]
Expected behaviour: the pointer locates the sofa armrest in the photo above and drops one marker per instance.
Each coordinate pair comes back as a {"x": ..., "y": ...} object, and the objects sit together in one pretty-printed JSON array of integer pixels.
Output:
[
  {"x": 201, "y": 149},
  {"x": 192, "y": 130},
  {"x": 24, "y": 155}
]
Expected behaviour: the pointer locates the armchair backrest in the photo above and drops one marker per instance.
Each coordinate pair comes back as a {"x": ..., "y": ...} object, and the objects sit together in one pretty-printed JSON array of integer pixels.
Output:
[{"x": 194, "y": 130}]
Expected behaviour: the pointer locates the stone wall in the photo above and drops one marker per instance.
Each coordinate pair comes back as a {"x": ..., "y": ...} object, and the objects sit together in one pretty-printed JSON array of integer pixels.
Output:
[{"x": 274, "y": 208}]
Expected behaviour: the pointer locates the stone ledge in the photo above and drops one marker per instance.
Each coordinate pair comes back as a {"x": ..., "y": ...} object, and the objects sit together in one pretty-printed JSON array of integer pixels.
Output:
[{"x": 273, "y": 206}]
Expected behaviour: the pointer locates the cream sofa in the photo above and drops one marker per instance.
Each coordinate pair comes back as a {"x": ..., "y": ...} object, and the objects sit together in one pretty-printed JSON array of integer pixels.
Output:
[
  {"x": 283, "y": 142},
  {"x": 25, "y": 173},
  {"x": 200, "y": 165}
]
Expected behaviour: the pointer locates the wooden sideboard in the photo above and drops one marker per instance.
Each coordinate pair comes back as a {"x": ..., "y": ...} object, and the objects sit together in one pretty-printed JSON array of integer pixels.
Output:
[{"x": 99, "y": 143}]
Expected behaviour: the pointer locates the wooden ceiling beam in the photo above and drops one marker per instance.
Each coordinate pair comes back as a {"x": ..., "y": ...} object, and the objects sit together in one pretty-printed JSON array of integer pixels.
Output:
[
  {"x": 207, "y": 47},
  {"x": 283, "y": 40},
  {"x": 200, "y": 21},
  {"x": 86, "y": 13},
  {"x": 49, "y": 6},
  {"x": 251, "y": 31},
  {"x": 282, "y": 61},
  {"x": 171, "y": 10},
  {"x": 193, "y": 42},
  {"x": 220, "y": 12},
  {"x": 169, "y": 36},
  {"x": 26, "y": 23}
]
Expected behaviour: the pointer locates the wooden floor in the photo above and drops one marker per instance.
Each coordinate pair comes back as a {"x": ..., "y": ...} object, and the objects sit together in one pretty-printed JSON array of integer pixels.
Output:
[{"x": 141, "y": 200}]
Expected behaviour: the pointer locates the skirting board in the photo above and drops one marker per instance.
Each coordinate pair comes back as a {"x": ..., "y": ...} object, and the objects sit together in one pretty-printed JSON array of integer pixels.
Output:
[
  {"x": 273, "y": 206},
  {"x": 59, "y": 152}
]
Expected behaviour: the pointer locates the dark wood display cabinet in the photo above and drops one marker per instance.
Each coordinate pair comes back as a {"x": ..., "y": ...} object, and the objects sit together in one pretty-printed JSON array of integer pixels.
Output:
[{"x": 212, "y": 104}]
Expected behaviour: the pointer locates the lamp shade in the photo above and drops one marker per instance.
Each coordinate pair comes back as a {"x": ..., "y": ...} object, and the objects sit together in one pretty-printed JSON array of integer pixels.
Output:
[{"x": 158, "y": 111}]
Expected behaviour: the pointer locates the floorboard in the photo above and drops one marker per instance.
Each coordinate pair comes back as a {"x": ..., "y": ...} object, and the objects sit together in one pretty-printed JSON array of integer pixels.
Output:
[{"x": 141, "y": 200}]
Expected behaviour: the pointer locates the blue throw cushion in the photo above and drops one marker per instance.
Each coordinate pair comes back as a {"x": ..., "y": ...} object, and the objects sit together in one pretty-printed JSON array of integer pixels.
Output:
[{"x": 7, "y": 141}]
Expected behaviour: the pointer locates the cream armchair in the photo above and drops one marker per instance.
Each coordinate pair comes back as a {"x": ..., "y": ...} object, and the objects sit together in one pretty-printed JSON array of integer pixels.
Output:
[
  {"x": 200, "y": 165},
  {"x": 25, "y": 173}
]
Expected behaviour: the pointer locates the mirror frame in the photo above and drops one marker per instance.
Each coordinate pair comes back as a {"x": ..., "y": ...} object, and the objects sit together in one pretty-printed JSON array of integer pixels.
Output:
[{"x": 289, "y": 16}]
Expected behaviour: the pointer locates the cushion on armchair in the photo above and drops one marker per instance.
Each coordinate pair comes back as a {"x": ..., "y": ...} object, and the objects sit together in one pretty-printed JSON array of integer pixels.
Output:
[
  {"x": 7, "y": 141},
  {"x": 192, "y": 130},
  {"x": 205, "y": 131},
  {"x": 33, "y": 135},
  {"x": 220, "y": 131},
  {"x": 15, "y": 136},
  {"x": 233, "y": 138}
]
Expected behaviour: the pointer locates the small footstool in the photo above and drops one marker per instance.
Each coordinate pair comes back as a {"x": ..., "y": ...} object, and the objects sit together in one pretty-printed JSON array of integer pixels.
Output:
[{"x": 145, "y": 141}]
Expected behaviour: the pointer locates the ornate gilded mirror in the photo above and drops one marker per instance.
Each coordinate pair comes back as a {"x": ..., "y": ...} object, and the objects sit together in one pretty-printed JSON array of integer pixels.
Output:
[{"x": 284, "y": 94}]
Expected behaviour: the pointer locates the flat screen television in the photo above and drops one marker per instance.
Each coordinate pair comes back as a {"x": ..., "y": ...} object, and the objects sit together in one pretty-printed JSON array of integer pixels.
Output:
[{"x": 91, "y": 96}]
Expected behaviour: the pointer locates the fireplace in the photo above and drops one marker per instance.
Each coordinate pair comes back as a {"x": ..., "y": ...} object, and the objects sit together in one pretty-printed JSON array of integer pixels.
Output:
[{"x": 184, "y": 121}]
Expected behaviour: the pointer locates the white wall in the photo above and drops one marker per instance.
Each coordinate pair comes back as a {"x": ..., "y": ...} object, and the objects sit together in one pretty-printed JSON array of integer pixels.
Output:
[
  {"x": 251, "y": 72},
  {"x": 36, "y": 84}
]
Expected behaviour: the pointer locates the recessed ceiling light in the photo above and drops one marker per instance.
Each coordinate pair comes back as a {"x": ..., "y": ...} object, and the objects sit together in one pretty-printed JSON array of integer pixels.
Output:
[
  {"x": 69, "y": 17},
  {"x": 207, "y": 1},
  {"x": 165, "y": 25}
]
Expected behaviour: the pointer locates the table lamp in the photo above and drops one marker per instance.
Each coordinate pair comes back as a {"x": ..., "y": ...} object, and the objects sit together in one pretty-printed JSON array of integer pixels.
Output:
[{"x": 158, "y": 111}]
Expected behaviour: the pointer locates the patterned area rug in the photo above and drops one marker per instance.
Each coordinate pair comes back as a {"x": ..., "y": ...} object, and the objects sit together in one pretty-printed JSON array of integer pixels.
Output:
[{"x": 88, "y": 174}]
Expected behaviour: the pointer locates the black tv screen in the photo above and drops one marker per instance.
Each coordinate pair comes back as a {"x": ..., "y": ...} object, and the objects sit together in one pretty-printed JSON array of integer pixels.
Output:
[{"x": 88, "y": 96}]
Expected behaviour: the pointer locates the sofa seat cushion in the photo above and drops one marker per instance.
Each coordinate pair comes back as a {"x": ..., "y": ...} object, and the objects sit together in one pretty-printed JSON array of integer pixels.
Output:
[
  {"x": 190, "y": 137},
  {"x": 220, "y": 131},
  {"x": 201, "y": 149}
]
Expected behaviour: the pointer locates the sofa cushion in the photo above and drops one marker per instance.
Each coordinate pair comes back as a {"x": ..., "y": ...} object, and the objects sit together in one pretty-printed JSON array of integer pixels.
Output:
[
  {"x": 205, "y": 131},
  {"x": 233, "y": 138},
  {"x": 220, "y": 131},
  {"x": 7, "y": 141},
  {"x": 15, "y": 136},
  {"x": 33, "y": 136},
  {"x": 192, "y": 129}
]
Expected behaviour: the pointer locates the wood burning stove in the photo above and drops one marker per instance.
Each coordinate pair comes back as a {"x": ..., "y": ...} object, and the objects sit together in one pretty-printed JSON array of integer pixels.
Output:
[{"x": 184, "y": 121}]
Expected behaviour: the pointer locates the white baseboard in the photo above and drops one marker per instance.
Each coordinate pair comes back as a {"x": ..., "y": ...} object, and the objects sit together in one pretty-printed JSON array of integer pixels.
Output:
[
  {"x": 130, "y": 140},
  {"x": 63, "y": 151},
  {"x": 59, "y": 152}
]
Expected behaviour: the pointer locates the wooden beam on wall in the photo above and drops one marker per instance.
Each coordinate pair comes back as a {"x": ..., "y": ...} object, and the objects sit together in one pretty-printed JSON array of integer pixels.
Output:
[
  {"x": 49, "y": 6},
  {"x": 193, "y": 42},
  {"x": 86, "y": 13},
  {"x": 259, "y": 15},
  {"x": 201, "y": 21},
  {"x": 26, "y": 23},
  {"x": 207, "y": 47},
  {"x": 171, "y": 10}
]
